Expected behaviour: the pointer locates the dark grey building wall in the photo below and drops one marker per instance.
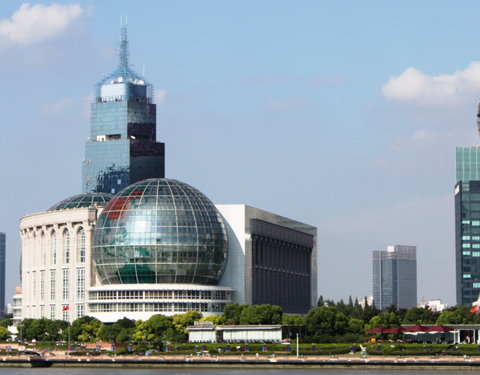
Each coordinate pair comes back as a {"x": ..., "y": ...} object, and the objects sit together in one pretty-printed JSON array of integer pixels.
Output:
[{"x": 281, "y": 265}]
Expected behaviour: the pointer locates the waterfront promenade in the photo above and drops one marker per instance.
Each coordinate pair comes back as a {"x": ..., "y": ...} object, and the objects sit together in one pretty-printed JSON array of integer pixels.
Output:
[{"x": 59, "y": 359}]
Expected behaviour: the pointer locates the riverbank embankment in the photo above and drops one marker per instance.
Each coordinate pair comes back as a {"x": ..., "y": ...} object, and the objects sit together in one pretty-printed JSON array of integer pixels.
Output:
[{"x": 246, "y": 361}]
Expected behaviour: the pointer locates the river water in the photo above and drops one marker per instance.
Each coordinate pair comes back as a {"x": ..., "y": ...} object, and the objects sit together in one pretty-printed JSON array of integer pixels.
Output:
[{"x": 177, "y": 371}]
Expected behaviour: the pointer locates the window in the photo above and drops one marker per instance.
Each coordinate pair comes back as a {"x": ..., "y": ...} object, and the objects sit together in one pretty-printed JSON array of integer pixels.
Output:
[
  {"x": 34, "y": 285},
  {"x": 467, "y": 276},
  {"x": 80, "y": 284},
  {"x": 80, "y": 311},
  {"x": 43, "y": 250},
  {"x": 66, "y": 246},
  {"x": 476, "y": 285},
  {"x": 65, "y": 284},
  {"x": 52, "y": 285},
  {"x": 465, "y": 246},
  {"x": 81, "y": 245},
  {"x": 52, "y": 312},
  {"x": 53, "y": 248},
  {"x": 465, "y": 252},
  {"x": 42, "y": 287}
]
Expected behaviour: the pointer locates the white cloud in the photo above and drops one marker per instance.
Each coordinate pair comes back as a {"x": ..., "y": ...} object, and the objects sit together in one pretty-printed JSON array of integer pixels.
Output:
[
  {"x": 39, "y": 22},
  {"x": 160, "y": 97},
  {"x": 414, "y": 86},
  {"x": 56, "y": 107}
]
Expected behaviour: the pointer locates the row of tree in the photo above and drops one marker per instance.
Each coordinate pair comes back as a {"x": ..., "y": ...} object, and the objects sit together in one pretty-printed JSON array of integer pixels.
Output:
[{"x": 328, "y": 322}]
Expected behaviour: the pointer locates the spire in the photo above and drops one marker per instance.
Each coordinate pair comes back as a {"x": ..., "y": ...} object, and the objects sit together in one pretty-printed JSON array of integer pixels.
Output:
[{"x": 124, "y": 53}]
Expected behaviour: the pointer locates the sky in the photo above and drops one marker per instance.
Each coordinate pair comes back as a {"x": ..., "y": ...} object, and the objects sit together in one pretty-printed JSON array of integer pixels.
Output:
[{"x": 340, "y": 114}]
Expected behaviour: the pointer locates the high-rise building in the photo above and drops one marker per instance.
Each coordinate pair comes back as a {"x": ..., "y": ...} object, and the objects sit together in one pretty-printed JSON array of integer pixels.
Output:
[
  {"x": 122, "y": 147},
  {"x": 395, "y": 277},
  {"x": 467, "y": 224},
  {"x": 2, "y": 274}
]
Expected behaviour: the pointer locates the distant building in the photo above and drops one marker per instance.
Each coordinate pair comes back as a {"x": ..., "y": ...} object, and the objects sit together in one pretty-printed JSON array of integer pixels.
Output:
[
  {"x": 395, "y": 277},
  {"x": 467, "y": 224},
  {"x": 3, "y": 250},
  {"x": 435, "y": 305},
  {"x": 122, "y": 147},
  {"x": 365, "y": 301}
]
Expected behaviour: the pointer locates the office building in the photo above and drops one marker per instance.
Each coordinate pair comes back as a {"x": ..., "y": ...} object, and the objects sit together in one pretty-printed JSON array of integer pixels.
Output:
[
  {"x": 3, "y": 250},
  {"x": 467, "y": 224},
  {"x": 395, "y": 277},
  {"x": 122, "y": 147},
  {"x": 272, "y": 259}
]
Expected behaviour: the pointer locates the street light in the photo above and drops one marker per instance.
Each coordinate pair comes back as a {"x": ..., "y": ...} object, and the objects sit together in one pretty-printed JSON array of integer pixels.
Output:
[{"x": 297, "y": 346}]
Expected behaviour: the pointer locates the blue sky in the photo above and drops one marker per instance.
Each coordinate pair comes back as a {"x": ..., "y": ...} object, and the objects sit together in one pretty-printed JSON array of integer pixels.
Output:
[{"x": 344, "y": 115}]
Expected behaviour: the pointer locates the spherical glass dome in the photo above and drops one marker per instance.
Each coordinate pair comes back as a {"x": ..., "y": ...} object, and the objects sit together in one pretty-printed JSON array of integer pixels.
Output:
[
  {"x": 83, "y": 200},
  {"x": 160, "y": 231}
]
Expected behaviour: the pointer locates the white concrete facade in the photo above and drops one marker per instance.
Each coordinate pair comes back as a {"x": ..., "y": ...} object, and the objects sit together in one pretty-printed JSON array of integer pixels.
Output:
[
  {"x": 109, "y": 303},
  {"x": 56, "y": 263}
]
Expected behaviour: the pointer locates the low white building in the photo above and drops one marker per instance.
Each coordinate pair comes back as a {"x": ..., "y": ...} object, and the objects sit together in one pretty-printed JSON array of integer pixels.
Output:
[{"x": 205, "y": 332}]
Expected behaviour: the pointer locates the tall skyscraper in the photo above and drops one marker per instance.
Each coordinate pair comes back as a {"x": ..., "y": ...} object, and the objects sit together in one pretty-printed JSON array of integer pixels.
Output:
[
  {"x": 2, "y": 274},
  {"x": 467, "y": 224},
  {"x": 122, "y": 147},
  {"x": 395, "y": 277}
]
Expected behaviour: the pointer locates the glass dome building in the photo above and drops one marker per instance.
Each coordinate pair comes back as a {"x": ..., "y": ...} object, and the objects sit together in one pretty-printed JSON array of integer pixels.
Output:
[
  {"x": 160, "y": 231},
  {"x": 83, "y": 200}
]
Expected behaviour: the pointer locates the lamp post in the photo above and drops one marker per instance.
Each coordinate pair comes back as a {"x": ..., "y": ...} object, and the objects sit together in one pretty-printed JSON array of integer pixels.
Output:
[{"x": 297, "y": 347}]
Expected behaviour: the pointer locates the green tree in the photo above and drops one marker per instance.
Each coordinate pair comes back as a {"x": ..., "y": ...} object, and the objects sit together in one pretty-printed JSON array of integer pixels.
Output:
[
  {"x": 457, "y": 315},
  {"x": 232, "y": 312},
  {"x": 293, "y": 320},
  {"x": 182, "y": 321},
  {"x": 384, "y": 319},
  {"x": 85, "y": 329},
  {"x": 261, "y": 314},
  {"x": 356, "y": 326},
  {"x": 324, "y": 323},
  {"x": 120, "y": 331},
  {"x": 157, "y": 329},
  {"x": 320, "y": 301},
  {"x": 4, "y": 334},
  {"x": 215, "y": 319},
  {"x": 419, "y": 315},
  {"x": 42, "y": 329},
  {"x": 6, "y": 321}
]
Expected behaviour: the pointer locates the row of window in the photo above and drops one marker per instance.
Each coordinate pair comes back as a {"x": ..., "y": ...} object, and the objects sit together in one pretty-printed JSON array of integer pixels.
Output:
[
  {"x": 472, "y": 238},
  {"x": 473, "y": 223},
  {"x": 166, "y": 307},
  {"x": 80, "y": 284},
  {"x": 66, "y": 247},
  {"x": 475, "y": 254},
  {"x": 161, "y": 294},
  {"x": 52, "y": 313}
]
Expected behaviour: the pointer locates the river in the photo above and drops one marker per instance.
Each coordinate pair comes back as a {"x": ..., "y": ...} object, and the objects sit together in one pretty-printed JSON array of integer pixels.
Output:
[{"x": 177, "y": 371}]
